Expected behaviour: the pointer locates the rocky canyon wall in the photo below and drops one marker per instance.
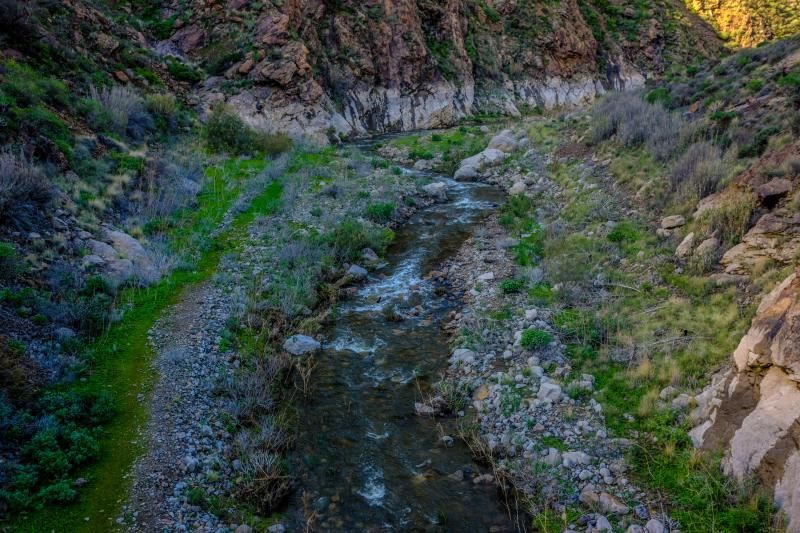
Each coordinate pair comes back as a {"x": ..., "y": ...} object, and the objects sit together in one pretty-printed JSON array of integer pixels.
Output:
[{"x": 333, "y": 69}]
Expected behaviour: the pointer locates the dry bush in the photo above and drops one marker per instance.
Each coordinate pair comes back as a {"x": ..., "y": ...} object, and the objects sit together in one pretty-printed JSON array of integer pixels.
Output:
[
  {"x": 634, "y": 122},
  {"x": 699, "y": 171},
  {"x": 120, "y": 103},
  {"x": 265, "y": 485},
  {"x": 169, "y": 183},
  {"x": 251, "y": 394},
  {"x": 22, "y": 183}
]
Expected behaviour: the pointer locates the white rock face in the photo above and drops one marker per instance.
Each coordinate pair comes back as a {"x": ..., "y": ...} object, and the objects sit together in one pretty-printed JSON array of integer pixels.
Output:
[
  {"x": 753, "y": 411},
  {"x": 777, "y": 410},
  {"x": 371, "y": 109}
]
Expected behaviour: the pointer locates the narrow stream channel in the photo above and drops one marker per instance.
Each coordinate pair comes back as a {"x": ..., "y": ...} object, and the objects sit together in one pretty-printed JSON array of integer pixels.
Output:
[{"x": 369, "y": 461}]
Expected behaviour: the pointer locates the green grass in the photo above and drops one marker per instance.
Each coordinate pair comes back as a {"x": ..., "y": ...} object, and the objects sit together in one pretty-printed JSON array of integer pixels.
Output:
[
  {"x": 122, "y": 361},
  {"x": 644, "y": 334}
]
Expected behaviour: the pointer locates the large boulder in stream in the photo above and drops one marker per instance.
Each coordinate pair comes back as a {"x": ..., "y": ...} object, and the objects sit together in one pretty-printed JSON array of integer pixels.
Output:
[
  {"x": 302, "y": 345},
  {"x": 472, "y": 167}
]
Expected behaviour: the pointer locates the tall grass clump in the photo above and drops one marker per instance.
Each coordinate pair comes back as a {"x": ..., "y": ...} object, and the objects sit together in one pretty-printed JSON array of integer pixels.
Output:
[
  {"x": 699, "y": 171},
  {"x": 122, "y": 109},
  {"x": 634, "y": 122},
  {"x": 22, "y": 183},
  {"x": 226, "y": 132},
  {"x": 729, "y": 217}
]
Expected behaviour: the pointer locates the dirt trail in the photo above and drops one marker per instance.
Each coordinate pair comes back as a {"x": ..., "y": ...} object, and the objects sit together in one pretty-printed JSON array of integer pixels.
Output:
[{"x": 185, "y": 436}]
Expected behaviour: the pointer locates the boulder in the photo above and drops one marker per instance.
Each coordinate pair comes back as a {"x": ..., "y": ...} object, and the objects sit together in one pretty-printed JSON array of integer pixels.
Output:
[
  {"x": 609, "y": 503},
  {"x": 466, "y": 173},
  {"x": 127, "y": 247},
  {"x": 472, "y": 167},
  {"x": 707, "y": 249},
  {"x": 436, "y": 190},
  {"x": 601, "y": 523},
  {"x": 517, "y": 188},
  {"x": 571, "y": 459},
  {"x": 463, "y": 355},
  {"x": 486, "y": 276},
  {"x": 504, "y": 141},
  {"x": 774, "y": 189},
  {"x": 302, "y": 345},
  {"x": 686, "y": 246},
  {"x": 672, "y": 222},
  {"x": 655, "y": 526},
  {"x": 423, "y": 409},
  {"x": 549, "y": 391},
  {"x": 369, "y": 256},
  {"x": 357, "y": 272}
]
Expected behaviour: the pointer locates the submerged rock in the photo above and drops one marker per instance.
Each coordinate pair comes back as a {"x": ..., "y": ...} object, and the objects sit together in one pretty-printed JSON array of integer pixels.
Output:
[{"x": 302, "y": 345}]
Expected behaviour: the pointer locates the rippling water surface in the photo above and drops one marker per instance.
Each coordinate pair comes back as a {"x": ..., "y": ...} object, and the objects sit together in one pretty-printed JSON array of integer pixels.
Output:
[{"x": 369, "y": 461}]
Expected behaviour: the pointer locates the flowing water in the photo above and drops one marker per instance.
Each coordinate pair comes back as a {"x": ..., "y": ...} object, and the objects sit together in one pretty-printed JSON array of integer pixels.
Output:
[{"x": 369, "y": 461}]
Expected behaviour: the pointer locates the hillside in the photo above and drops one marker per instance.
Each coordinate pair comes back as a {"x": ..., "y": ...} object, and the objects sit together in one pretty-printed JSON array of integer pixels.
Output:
[{"x": 750, "y": 22}]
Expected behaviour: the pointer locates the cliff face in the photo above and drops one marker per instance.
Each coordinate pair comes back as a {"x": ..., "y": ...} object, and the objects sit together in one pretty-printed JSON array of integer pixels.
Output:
[
  {"x": 753, "y": 411},
  {"x": 311, "y": 67},
  {"x": 749, "y": 22}
]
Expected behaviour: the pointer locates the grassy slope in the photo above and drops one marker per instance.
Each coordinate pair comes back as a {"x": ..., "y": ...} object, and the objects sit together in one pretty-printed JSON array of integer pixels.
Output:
[
  {"x": 656, "y": 326},
  {"x": 123, "y": 355}
]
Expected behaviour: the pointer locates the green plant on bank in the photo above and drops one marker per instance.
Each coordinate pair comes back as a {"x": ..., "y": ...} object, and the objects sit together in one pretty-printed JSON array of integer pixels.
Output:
[
  {"x": 511, "y": 286},
  {"x": 381, "y": 212},
  {"x": 534, "y": 338}
]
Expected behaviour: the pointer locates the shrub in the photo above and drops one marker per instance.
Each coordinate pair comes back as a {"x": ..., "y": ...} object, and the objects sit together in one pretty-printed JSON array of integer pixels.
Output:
[
  {"x": 510, "y": 286},
  {"x": 22, "y": 184},
  {"x": 123, "y": 108},
  {"x": 699, "y": 171},
  {"x": 225, "y": 131},
  {"x": 454, "y": 394},
  {"x": 625, "y": 231},
  {"x": 183, "y": 72},
  {"x": 759, "y": 144},
  {"x": 350, "y": 237},
  {"x": 164, "y": 105},
  {"x": 380, "y": 212},
  {"x": 730, "y": 216},
  {"x": 10, "y": 263},
  {"x": 634, "y": 122},
  {"x": 533, "y": 338}
]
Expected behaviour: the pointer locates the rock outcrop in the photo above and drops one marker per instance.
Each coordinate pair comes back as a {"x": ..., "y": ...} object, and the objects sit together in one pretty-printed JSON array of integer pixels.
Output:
[
  {"x": 330, "y": 70},
  {"x": 753, "y": 411}
]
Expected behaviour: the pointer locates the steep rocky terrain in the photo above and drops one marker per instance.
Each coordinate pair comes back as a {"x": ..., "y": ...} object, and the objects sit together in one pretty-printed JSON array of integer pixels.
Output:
[
  {"x": 750, "y": 22},
  {"x": 346, "y": 68}
]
